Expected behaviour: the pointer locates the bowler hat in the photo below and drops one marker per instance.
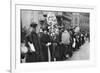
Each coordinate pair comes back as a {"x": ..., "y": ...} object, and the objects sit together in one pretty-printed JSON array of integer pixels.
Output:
[{"x": 33, "y": 25}]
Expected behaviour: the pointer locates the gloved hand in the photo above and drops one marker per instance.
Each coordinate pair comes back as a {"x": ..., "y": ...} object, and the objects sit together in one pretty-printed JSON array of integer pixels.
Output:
[{"x": 48, "y": 44}]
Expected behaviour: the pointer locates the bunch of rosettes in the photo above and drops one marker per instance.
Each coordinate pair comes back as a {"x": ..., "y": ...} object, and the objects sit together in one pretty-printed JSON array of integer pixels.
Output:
[{"x": 53, "y": 30}]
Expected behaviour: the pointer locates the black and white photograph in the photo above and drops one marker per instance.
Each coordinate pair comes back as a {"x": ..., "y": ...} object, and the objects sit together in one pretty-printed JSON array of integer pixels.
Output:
[
  {"x": 54, "y": 36},
  {"x": 50, "y": 36}
]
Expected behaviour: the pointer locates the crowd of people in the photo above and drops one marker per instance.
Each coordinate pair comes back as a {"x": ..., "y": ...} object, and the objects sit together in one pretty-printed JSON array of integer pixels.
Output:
[{"x": 42, "y": 47}]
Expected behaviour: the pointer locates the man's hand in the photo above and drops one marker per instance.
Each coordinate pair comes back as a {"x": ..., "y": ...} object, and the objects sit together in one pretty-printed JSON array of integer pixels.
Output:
[{"x": 48, "y": 44}]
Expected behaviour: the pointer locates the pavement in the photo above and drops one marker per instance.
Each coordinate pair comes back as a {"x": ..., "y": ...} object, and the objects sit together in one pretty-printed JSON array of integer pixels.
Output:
[{"x": 82, "y": 53}]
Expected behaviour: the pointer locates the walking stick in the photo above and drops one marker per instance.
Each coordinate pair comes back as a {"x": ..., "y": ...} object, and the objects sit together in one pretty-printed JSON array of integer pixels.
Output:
[{"x": 49, "y": 57}]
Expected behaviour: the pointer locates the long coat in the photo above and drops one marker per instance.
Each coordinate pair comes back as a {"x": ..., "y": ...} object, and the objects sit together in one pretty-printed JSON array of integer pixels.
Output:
[
  {"x": 44, "y": 39},
  {"x": 36, "y": 56}
]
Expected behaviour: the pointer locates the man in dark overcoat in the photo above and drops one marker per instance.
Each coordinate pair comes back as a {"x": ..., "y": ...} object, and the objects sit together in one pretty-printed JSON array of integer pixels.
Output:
[{"x": 32, "y": 38}]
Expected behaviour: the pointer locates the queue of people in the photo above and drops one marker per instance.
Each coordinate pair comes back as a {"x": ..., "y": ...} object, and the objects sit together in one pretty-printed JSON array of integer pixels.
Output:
[{"x": 41, "y": 47}]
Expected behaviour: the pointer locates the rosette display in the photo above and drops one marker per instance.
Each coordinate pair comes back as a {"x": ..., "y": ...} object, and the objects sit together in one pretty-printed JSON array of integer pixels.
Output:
[{"x": 52, "y": 24}]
